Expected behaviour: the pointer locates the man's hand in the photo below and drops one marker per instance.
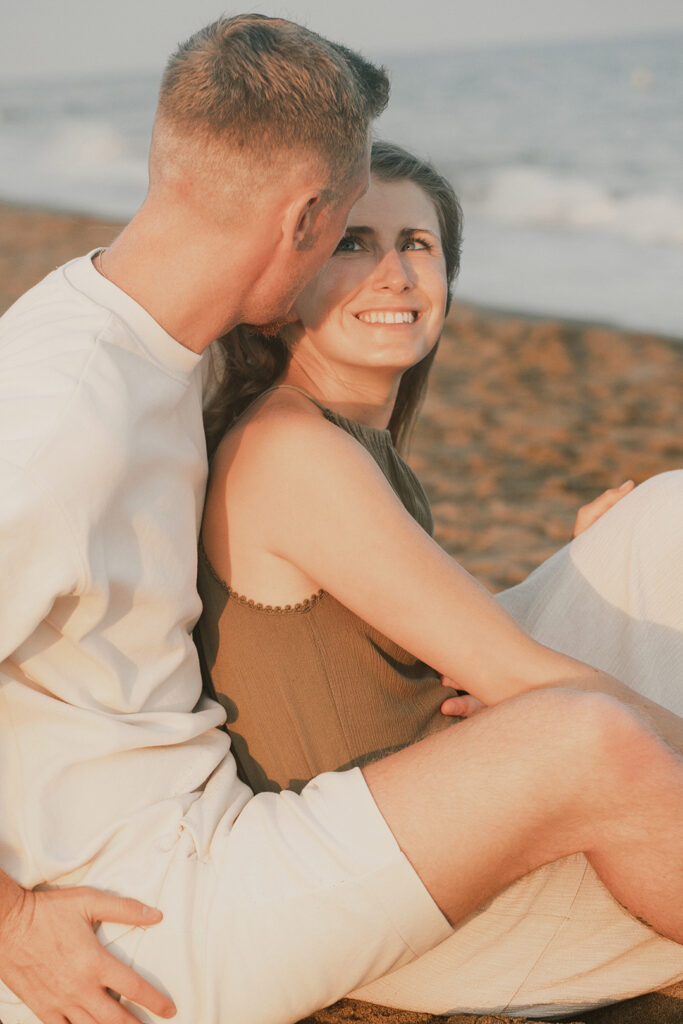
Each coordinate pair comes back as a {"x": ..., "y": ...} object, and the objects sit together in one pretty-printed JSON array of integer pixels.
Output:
[
  {"x": 464, "y": 705},
  {"x": 52, "y": 960},
  {"x": 590, "y": 513}
]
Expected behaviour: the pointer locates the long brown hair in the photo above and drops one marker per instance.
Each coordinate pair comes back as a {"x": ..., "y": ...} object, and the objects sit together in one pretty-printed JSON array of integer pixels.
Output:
[{"x": 251, "y": 362}]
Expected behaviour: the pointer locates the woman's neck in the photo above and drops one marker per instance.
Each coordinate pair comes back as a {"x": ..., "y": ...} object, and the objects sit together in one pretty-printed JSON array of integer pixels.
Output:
[{"x": 367, "y": 399}]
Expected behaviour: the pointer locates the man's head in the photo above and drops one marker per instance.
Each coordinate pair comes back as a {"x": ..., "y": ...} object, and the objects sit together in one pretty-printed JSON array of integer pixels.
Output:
[
  {"x": 260, "y": 147},
  {"x": 263, "y": 87}
]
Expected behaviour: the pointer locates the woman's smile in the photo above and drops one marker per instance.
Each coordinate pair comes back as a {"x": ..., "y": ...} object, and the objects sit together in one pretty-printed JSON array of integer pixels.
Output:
[
  {"x": 377, "y": 305},
  {"x": 395, "y": 317}
]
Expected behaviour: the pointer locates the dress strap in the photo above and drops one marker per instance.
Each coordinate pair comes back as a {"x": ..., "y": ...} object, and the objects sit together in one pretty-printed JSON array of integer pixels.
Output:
[
  {"x": 276, "y": 387},
  {"x": 293, "y": 387}
]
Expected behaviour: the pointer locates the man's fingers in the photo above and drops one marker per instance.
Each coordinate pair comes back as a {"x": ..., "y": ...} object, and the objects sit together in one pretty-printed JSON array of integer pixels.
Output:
[
  {"x": 104, "y": 906},
  {"x": 463, "y": 707},
  {"x": 110, "y": 1011},
  {"x": 127, "y": 983},
  {"x": 452, "y": 706},
  {"x": 105, "y": 1010},
  {"x": 60, "y": 970},
  {"x": 449, "y": 683},
  {"x": 462, "y": 704},
  {"x": 79, "y": 1016}
]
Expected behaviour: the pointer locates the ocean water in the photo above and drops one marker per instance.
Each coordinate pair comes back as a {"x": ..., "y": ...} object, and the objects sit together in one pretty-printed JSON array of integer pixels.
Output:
[{"x": 568, "y": 159}]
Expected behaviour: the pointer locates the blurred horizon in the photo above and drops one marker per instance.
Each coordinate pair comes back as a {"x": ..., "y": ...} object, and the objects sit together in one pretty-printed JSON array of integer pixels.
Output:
[
  {"x": 566, "y": 159},
  {"x": 41, "y": 38},
  {"x": 377, "y": 55}
]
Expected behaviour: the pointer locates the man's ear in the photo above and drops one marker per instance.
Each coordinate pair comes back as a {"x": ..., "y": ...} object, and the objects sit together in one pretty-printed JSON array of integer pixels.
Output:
[{"x": 300, "y": 223}]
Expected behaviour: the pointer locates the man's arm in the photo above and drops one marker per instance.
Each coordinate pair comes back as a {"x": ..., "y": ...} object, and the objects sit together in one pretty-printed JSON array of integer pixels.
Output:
[
  {"x": 50, "y": 956},
  {"x": 666, "y": 724}
]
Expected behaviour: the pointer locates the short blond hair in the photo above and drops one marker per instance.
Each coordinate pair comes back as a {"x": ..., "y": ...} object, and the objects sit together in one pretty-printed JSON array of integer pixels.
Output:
[{"x": 265, "y": 85}]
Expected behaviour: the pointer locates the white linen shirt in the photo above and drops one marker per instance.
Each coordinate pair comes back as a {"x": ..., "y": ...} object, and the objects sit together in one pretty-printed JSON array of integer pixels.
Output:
[{"x": 104, "y": 737}]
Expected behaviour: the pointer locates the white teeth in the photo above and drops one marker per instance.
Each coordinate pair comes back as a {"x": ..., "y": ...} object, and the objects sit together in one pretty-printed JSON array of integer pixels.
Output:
[{"x": 386, "y": 316}]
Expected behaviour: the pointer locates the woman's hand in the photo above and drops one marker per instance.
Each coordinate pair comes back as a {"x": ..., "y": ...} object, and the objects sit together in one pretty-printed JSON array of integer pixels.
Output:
[
  {"x": 590, "y": 513},
  {"x": 463, "y": 705},
  {"x": 52, "y": 960}
]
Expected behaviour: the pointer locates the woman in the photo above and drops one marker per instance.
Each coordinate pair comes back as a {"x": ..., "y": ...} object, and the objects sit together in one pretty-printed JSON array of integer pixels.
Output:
[
  {"x": 319, "y": 576},
  {"x": 296, "y": 570}
]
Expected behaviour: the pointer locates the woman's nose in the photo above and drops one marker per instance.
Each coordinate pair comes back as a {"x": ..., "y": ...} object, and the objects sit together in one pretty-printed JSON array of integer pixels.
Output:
[{"x": 391, "y": 272}]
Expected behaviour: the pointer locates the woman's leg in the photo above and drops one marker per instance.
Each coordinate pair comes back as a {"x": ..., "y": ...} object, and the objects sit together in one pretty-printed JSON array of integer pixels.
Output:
[{"x": 614, "y": 596}]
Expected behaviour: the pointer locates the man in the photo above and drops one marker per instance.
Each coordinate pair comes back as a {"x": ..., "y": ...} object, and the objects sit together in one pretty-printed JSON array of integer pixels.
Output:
[{"x": 113, "y": 775}]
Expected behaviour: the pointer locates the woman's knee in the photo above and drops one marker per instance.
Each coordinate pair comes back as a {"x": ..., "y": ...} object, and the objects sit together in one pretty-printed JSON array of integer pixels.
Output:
[
  {"x": 663, "y": 488},
  {"x": 657, "y": 508},
  {"x": 645, "y": 523}
]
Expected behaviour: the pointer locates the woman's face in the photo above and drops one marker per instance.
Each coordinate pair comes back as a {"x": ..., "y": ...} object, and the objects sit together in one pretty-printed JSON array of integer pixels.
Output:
[{"x": 380, "y": 299}]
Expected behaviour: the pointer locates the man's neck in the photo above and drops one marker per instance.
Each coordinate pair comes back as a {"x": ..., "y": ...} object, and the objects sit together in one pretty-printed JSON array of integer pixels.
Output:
[{"x": 176, "y": 283}]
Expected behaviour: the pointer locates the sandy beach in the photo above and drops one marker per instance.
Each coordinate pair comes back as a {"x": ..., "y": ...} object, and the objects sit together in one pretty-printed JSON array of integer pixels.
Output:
[{"x": 526, "y": 419}]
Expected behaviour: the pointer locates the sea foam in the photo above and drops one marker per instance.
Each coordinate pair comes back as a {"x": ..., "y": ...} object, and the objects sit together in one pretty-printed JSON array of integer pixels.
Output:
[
  {"x": 567, "y": 160},
  {"x": 530, "y": 196}
]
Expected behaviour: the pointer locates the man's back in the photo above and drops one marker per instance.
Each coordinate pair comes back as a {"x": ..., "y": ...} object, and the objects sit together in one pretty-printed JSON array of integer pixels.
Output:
[{"x": 94, "y": 678}]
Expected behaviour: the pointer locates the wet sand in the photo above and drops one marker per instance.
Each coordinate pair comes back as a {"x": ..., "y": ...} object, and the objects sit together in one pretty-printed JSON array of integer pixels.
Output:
[{"x": 526, "y": 419}]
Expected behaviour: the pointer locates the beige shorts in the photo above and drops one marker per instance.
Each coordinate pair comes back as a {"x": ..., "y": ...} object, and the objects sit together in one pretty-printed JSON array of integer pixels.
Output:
[
  {"x": 308, "y": 897},
  {"x": 303, "y": 899}
]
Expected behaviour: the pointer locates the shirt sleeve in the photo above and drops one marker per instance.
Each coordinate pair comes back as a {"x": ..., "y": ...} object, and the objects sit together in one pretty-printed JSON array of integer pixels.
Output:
[{"x": 39, "y": 559}]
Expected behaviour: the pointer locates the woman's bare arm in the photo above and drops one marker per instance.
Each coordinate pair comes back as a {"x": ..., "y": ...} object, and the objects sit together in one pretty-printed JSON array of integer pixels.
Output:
[{"x": 325, "y": 507}]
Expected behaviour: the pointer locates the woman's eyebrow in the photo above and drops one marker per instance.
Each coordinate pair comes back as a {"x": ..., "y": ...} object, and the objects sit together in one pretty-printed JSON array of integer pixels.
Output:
[
  {"x": 418, "y": 231},
  {"x": 363, "y": 229}
]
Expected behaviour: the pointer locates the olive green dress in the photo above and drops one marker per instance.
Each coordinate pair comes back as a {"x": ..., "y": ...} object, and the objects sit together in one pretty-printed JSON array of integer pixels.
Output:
[{"x": 311, "y": 687}]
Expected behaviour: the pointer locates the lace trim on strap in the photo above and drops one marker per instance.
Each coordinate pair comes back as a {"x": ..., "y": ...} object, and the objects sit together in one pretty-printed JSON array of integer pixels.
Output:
[{"x": 276, "y": 609}]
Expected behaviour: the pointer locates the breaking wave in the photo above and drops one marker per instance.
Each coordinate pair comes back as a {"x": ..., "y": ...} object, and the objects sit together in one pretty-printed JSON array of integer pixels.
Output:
[{"x": 533, "y": 197}]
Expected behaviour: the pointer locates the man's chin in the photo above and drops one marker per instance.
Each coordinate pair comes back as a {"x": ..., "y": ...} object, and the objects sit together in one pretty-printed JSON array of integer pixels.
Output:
[{"x": 272, "y": 329}]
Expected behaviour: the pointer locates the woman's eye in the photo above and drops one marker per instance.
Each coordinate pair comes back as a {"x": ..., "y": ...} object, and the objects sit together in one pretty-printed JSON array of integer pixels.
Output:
[
  {"x": 415, "y": 242},
  {"x": 349, "y": 243}
]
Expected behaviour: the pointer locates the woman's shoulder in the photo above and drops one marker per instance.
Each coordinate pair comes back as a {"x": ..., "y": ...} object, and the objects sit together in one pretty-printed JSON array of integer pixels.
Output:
[
  {"x": 276, "y": 473},
  {"x": 283, "y": 438},
  {"x": 286, "y": 423}
]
